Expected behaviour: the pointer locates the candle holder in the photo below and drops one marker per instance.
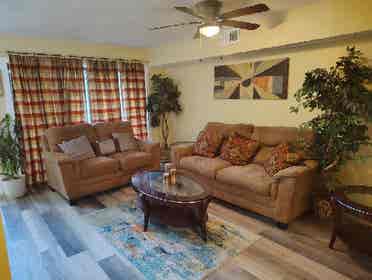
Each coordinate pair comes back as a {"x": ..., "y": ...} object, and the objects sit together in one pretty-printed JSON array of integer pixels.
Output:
[
  {"x": 167, "y": 167},
  {"x": 166, "y": 178},
  {"x": 173, "y": 178}
]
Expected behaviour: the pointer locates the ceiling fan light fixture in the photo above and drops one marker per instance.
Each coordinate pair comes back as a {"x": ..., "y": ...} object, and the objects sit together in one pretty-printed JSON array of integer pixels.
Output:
[{"x": 209, "y": 30}]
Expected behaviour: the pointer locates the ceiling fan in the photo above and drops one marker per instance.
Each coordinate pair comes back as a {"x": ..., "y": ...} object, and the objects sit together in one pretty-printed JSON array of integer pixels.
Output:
[{"x": 210, "y": 18}]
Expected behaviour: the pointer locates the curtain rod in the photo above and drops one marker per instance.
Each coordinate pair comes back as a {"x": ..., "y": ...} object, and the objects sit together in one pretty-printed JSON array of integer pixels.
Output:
[{"x": 74, "y": 56}]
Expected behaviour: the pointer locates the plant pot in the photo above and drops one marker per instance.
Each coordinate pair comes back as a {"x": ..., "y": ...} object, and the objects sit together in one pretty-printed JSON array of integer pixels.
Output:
[
  {"x": 322, "y": 205},
  {"x": 14, "y": 188}
]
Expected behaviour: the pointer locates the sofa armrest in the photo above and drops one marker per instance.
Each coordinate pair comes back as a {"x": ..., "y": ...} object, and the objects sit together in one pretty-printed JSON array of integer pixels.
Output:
[
  {"x": 295, "y": 185},
  {"x": 59, "y": 158},
  {"x": 154, "y": 149},
  {"x": 180, "y": 151},
  {"x": 291, "y": 172},
  {"x": 62, "y": 171},
  {"x": 312, "y": 164}
]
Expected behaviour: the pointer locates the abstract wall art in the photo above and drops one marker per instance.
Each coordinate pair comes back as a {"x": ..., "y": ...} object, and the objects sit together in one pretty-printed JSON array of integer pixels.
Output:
[{"x": 254, "y": 80}]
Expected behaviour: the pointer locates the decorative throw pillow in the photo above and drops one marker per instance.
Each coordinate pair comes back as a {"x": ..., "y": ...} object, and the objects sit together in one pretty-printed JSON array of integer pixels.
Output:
[
  {"x": 78, "y": 148},
  {"x": 208, "y": 143},
  {"x": 106, "y": 147},
  {"x": 281, "y": 158},
  {"x": 263, "y": 155},
  {"x": 239, "y": 150},
  {"x": 126, "y": 141}
]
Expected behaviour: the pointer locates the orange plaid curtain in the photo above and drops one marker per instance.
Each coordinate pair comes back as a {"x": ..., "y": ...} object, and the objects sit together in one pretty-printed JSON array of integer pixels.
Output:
[
  {"x": 48, "y": 91},
  {"x": 104, "y": 91},
  {"x": 134, "y": 95}
]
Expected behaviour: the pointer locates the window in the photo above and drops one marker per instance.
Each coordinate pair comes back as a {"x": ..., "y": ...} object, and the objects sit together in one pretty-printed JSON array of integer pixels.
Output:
[{"x": 88, "y": 115}]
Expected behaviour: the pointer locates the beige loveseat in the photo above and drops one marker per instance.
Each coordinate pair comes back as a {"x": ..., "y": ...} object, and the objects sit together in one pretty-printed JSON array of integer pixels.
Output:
[
  {"x": 77, "y": 178},
  {"x": 282, "y": 197}
]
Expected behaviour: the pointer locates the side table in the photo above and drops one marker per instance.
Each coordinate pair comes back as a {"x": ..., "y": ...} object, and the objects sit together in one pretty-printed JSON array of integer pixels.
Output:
[{"x": 353, "y": 217}]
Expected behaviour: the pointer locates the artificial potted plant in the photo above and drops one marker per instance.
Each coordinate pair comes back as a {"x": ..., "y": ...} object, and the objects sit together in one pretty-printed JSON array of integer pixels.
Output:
[
  {"x": 11, "y": 158},
  {"x": 343, "y": 104},
  {"x": 163, "y": 101}
]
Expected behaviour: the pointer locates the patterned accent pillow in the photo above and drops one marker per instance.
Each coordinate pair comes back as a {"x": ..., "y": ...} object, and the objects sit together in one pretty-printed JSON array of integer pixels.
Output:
[
  {"x": 239, "y": 150},
  {"x": 281, "y": 158},
  {"x": 106, "y": 147},
  {"x": 126, "y": 141},
  {"x": 208, "y": 143},
  {"x": 78, "y": 148}
]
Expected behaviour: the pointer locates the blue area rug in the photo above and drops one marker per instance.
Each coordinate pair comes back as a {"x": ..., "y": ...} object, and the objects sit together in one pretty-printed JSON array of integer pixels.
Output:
[{"x": 164, "y": 252}]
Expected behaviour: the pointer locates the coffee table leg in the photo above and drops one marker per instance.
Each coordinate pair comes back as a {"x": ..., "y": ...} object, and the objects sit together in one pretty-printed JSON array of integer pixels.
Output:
[
  {"x": 203, "y": 218},
  {"x": 146, "y": 221},
  {"x": 203, "y": 230},
  {"x": 146, "y": 213}
]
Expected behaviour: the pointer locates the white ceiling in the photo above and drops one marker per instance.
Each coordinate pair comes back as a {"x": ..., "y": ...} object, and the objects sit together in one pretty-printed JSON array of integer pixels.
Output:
[{"x": 114, "y": 21}]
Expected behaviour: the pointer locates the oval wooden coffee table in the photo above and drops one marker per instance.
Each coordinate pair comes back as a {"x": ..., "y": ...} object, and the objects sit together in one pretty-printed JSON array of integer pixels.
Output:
[
  {"x": 182, "y": 205},
  {"x": 353, "y": 217}
]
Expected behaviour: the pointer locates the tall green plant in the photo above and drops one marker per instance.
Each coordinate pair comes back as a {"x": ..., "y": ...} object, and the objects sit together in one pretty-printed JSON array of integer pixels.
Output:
[
  {"x": 343, "y": 105},
  {"x": 162, "y": 101},
  {"x": 11, "y": 157}
]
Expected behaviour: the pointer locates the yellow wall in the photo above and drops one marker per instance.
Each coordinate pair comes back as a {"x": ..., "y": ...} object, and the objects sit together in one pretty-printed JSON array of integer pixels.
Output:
[
  {"x": 196, "y": 81},
  {"x": 322, "y": 19},
  {"x": 323, "y": 29},
  {"x": 70, "y": 47}
]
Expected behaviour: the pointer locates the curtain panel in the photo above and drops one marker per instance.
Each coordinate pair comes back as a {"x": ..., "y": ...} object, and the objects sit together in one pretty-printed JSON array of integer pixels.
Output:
[
  {"x": 103, "y": 84},
  {"x": 134, "y": 95},
  {"x": 48, "y": 91}
]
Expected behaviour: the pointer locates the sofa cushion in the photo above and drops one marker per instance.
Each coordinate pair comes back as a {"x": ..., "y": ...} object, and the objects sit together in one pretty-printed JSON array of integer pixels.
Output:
[
  {"x": 98, "y": 166},
  {"x": 57, "y": 135},
  {"x": 273, "y": 136},
  {"x": 126, "y": 141},
  {"x": 227, "y": 130},
  {"x": 106, "y": 147},
  {"x": 203, "y": 165},
  {"x": 263, "y": 155},
  {"x": 78, "y": 148},
  {"x": 105, "y": 130},
  {"x": 251, "y": 176},
  {"x": 281, "y": 158},
  {"x": 133, "y": 160},
  {"x": 239, "y": 150},
  {"x": 208, "y": 143}
]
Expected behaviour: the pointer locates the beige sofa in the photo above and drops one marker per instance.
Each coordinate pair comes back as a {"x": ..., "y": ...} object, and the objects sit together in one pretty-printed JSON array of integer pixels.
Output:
[
  {"x": 77, "y": 178},
  {"x": 282, "y": 197}
]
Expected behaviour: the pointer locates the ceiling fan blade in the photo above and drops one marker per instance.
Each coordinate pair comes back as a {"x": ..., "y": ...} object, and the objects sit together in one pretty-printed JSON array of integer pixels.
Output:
[
  {"x": 240, "y": 24},
  {"x": 189, "y": 11},
  {"x": 259, "y": 8},
  {"x": 174, "y": 25}
]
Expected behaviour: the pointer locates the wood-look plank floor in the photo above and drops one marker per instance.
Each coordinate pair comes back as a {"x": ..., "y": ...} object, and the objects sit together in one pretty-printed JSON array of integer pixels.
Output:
[{"x": 47, "y": 239}]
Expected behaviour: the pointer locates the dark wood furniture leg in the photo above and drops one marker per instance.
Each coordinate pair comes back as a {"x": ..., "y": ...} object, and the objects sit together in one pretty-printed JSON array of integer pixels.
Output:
[
  {"x": 203, "y": 231},
  {"x": 146, "y": 212},
  {"x": 203, "y": 218},
  {"x": 282, "y": 226},
  {"x": 72, "y": 202},
  {"x": 336, "y": 224}
]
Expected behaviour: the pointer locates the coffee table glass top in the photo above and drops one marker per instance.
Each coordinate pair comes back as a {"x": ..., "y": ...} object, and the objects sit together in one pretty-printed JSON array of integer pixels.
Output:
[
  {"x": 186, "y": 189},
  {"x": 361, "y": 197}
]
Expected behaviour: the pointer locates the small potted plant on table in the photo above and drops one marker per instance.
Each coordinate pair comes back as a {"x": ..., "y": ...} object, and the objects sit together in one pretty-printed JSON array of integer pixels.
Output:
[
  {"x": 11, "y": 159},
  {"x": 343, "y": 104}
]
